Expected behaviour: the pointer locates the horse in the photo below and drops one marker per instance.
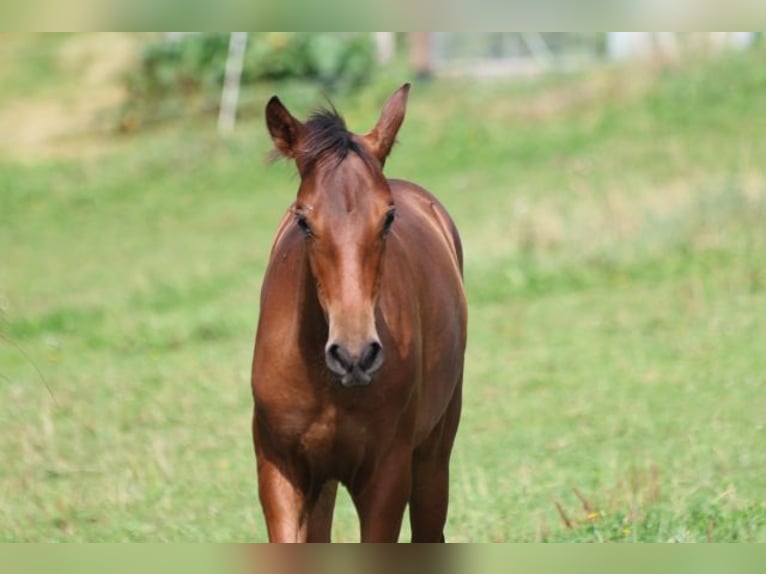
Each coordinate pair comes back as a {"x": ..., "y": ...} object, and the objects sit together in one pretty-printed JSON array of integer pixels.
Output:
[{"x": 358, "y": 361}]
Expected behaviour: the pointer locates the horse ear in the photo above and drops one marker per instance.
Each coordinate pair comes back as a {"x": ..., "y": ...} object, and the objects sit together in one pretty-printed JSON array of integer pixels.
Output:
[
  {"x": 382, "y": 137},
  {"x": 285, "y": 130}
]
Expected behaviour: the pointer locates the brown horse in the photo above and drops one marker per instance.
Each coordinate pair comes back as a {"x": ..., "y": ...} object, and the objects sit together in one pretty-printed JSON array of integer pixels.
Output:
[{"x": 358, "y": 361}]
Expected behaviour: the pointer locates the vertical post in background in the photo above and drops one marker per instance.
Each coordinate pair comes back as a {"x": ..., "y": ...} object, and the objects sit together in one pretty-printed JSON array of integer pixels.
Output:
[
  {"x": 385, "y": 46},
  {"x": 227, "y": 115}
]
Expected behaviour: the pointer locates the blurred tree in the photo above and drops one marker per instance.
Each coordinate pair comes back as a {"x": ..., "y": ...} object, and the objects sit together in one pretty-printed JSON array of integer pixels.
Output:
[{"x": 184, "y": 73}]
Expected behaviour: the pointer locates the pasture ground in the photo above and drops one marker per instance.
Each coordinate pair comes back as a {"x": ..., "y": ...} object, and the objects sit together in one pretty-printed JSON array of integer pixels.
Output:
[{"x": 615, "y": 234}]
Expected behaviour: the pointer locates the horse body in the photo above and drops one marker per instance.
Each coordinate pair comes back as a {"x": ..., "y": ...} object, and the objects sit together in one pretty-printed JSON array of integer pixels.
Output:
[{"x": 387, "y": 432}]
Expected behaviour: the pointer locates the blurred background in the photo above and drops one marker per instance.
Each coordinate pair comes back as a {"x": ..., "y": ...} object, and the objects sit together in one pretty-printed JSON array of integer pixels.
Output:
[{"x": 611, "y": 194}]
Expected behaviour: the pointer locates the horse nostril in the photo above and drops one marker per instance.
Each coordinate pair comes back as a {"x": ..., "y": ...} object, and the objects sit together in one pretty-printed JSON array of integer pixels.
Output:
[
  {"x": 353, "y": 370},
  {"x": 372, "y": 357},
  {"x": 338, "y": 359}
]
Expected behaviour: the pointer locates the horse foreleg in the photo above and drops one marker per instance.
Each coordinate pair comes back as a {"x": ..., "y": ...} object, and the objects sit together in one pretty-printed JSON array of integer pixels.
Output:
[
  {"x": 284, "y": 503},
  {"x": 320, "y": 520},
  {"x": 430, "y": 497},
  {"x": 430, "y": 477},
  {"x": 381, "y": 502}
]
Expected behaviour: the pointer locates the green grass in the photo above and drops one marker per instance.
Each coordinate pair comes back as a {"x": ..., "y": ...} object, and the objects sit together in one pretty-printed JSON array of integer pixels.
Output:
[
  {"x": 615, "y": 236},
  {"x": 28, "y": 63}
]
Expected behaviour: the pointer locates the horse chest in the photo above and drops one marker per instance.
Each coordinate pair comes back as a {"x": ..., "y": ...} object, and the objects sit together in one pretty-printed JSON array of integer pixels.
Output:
[
  {"x": 334, "y": 443},
  {"x": 320, "y": 433}
]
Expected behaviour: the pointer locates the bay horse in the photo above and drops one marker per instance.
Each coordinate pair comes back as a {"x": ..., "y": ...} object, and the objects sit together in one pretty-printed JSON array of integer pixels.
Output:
[{"x": 358, "y": 361}]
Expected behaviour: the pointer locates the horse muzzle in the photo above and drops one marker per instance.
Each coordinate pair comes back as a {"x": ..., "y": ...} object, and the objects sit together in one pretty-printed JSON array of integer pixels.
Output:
[{"x": 354, "y": 369}]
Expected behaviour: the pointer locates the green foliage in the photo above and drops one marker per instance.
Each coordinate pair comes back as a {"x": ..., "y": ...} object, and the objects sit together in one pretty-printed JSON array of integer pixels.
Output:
[
  {"x": 190, "y": 69},
  {"x": 189, "y": 64}
]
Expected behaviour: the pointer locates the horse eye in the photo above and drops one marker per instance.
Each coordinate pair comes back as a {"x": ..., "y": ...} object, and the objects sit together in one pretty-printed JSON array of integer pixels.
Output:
[
  {"x": 304, "y": 225},
  {"x": 388, "y": 221}
]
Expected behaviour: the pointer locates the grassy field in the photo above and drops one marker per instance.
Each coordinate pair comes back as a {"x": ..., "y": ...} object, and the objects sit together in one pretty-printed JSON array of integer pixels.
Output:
[{"x": 615, "y": 234}]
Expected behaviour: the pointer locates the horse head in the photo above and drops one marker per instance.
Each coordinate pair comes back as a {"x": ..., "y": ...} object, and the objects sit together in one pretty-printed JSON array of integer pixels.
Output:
[{"x": 345, "y": 210}]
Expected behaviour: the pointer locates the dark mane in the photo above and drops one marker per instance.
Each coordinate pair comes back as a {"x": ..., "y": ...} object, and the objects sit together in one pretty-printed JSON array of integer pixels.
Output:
[{"x": 327, "y": 136}]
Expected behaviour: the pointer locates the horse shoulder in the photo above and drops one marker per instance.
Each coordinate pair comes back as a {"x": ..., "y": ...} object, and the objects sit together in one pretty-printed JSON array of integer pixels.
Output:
[
  {"x": 280, "y": 360},
  {"x": 431, "y": 243},
  {"x": 431, "y": 212}
]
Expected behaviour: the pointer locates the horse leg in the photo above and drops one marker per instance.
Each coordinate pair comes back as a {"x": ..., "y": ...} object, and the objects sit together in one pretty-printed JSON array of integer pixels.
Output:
[
  {"x": 284, "y": 504},
  {"x": 430, "y": 477},
  {"x": 283, "y": 500},
  {"x": 381, "y": 502},
  {"x": 430, "y": 495},
  {"x": 320, "y": 518}
]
